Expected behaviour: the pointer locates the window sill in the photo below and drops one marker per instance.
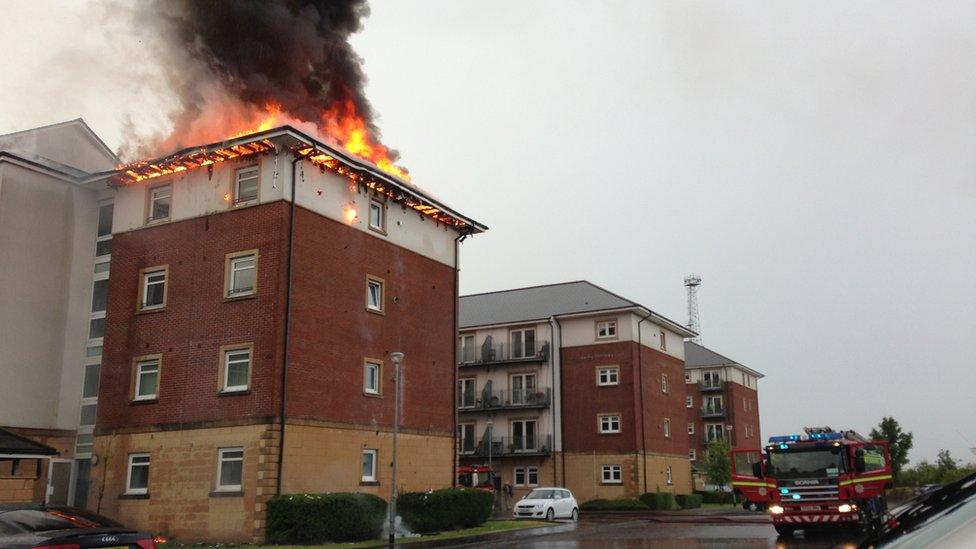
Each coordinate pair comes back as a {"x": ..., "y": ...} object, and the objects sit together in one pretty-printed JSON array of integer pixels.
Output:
[
  {"x": 379, "y": 312},
  {"x": 227, "y": 494},
  {"x": 369, "y": 483},
  {"x": 610, "y": 433},
  {"x": 372, "y": 395},
  {"x": 378, "y": 230},
  {"x": 608, "y": 385},
  {"x": 241, "y": 297},
  {"x": 244, "y": 204},
  {"x": 236, "y": 392},
  {"x": 614, "y": 483},
  {"x": 143, "y": 401},
  {"x": 134, "y": 496},
  {"x": 159, "y": 221},
  {"x": 141, "y": 311}
]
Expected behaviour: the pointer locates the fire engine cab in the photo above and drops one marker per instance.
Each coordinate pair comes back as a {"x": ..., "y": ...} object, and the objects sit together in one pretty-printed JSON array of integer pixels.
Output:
[{"x": 819, "y": 479}]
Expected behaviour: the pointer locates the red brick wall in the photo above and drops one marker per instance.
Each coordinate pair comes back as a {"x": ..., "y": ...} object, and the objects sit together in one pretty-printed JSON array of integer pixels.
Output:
[
  {"x": 196, "y": 321},
  {"x": 739, "y": 416},
  {"x": 583, "y": 401},
  {"x": 658, "y": 405},
  {"x": 333, "y": 332}
]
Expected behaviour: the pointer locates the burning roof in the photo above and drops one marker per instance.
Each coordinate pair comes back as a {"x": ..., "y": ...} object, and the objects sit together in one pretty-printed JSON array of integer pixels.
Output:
[{"x": 359, "y": 172}]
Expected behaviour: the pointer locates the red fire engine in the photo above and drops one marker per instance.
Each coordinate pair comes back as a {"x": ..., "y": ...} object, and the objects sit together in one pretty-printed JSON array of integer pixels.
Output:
[
  {"x": 821, "y": 479},
  {"x": 475, "y": 476}
]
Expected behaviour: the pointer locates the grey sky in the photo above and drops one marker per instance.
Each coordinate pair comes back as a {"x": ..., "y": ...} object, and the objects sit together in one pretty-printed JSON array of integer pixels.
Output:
[{"x": 813, "y": 161}]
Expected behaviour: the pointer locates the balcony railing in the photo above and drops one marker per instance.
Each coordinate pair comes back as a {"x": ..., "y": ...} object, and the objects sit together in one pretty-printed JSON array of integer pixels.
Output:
[
  {"x": 711, "y": 385},
  {"x": 501, "y": 399},
  {"x": 712, "y": 411},
  {"x": 500, "y": 353},
  {"x": 512, "y": 446}
]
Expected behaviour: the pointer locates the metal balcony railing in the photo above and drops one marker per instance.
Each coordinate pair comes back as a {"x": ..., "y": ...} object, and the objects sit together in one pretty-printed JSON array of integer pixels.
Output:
[
  {"x": 711, "y": 385},
  {"x": 498, "y": 353},
  {"x": 501, "y": 399},
  {"x": 712, "y": 411},
  {"x": 513, "y": 446}
]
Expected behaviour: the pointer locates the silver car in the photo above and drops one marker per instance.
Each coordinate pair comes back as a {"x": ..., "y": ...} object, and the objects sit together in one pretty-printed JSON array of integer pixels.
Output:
[{"x": 547, "y": 503}]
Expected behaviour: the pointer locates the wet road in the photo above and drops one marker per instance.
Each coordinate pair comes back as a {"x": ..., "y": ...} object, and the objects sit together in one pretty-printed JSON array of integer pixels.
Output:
[{"x": 641, "y": 533}]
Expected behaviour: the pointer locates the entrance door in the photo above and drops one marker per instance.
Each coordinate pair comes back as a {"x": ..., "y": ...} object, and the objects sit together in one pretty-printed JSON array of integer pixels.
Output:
[{"x": 59, "y": 482}]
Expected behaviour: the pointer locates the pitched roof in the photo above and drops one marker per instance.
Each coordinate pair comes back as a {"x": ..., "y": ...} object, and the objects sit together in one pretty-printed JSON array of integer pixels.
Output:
[
  {"x": 541, "y": 302},
  {"x": 699, "y": 356},
  {"x": 11, "y": 443},
  {"x": 80, "y": 123}
]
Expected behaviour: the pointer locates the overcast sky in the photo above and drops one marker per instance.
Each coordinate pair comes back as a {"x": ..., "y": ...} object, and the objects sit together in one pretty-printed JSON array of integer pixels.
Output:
[{"x": 814, "y": 162}]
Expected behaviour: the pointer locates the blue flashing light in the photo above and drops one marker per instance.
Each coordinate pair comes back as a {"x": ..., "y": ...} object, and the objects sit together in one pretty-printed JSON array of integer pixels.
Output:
[
  {"x": 784, "y": 491},
  {"x": 796, "y": 496},
  {"x": 826, "y": 436},
  {"x": 784, "y": 438},
  {"x": 784, "y": 446}
]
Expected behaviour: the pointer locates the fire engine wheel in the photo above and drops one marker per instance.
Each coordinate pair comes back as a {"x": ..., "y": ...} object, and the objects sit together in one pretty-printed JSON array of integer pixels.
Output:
[
  {"x": 575, "y": 515},
  {"x": 784, "y": 530},
  {"x": 550, "y": 514}
]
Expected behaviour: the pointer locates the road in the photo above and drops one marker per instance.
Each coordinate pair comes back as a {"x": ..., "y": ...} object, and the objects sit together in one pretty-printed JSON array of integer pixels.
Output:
[{"x": 712, "y": 532}]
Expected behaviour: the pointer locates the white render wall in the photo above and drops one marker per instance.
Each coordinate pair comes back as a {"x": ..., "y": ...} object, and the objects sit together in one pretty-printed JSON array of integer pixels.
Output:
[{"x": 196, "y": 193}]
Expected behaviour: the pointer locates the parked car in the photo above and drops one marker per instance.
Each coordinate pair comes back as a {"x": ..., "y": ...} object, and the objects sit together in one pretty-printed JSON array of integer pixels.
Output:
[
  {"x": 548, "y": 503},
  {"x": 926, "y": 488},
  {"x": 944, "y": 518},
  {"x": 43, "y": 527}
]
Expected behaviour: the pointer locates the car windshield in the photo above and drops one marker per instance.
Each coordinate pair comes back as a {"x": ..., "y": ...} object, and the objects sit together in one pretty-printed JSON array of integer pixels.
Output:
[
  {"x": 541, "y": 494},
  {"x": 814, "y": 463},
  {"x": 43, "y": 520}
]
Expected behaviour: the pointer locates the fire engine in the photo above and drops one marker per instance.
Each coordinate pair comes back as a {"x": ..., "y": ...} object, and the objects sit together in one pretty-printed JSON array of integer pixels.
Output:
[{"x": 820, "y": 479}]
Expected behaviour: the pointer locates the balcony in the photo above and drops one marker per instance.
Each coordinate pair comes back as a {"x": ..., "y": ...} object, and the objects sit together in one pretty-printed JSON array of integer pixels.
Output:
[
  {"x": 523, "y": 399},
  {"x": 712, "y": 412},
  {"x": 538, "y": 445},
  {"x": 706, "y": 386},
  {"x": 706, "y": 439},
  {"x": 490, "y": 354}
]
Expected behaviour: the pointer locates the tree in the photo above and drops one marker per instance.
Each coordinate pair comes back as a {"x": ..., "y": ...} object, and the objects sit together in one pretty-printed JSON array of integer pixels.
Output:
[
  {"x": 899, "y": 442},
  {"x": 945, "y": 462},
  {"x": 717, "y": 465}
]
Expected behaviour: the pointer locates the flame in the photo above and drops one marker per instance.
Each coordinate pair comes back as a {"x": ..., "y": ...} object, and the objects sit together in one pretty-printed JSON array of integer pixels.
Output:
[
  {"x": 350, "y": 214},
  {"x": 270, "y": 120},
  {"x": 343, "y": 123}
]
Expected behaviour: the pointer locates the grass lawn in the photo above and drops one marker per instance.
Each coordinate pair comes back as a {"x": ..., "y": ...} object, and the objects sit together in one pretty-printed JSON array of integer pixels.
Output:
[{"x": 486, "y": 528}]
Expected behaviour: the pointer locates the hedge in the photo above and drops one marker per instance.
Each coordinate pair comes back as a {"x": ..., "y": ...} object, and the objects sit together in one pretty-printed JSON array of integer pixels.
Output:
[
  {"x": 715, "y": 497},
  {"x": 318, "y": 518},
  {"x": 688, "y": 501},
  {"x": 659, "y": 501},
  {"x": 613, "y": 505},
  {"x": 447, "y": 509}
]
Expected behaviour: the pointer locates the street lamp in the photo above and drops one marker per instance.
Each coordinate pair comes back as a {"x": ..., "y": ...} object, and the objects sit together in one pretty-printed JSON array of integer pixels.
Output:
[{"x": 397, "y": 358}]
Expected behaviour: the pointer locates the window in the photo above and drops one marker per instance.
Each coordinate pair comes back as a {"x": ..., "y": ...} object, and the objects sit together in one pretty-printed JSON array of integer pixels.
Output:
[
  {"x": 713, "y": 431},
  {"x": 152, "y": 293},
  {"x": 687, "y": 377},
  {"x": 689, "y": 402},
  {"x": 667, "y": 428},
  {"x": 692, "y": 454},
  {"x": 372, "y": 370},
  {"x": 524, "y": 435},
  {"x": 137, "y": 474},
  {"x": 669, "y": 476},
  {"x": 377, "y": 216},
  {"x": 237, "y": 369},
  {"x": 713, "y": 405},
  {"x": 147, "y": 379},
  {"x": 96, "y": 328},
  {"x": 88, "y": 412},
  {"x": 745, "y": 405},
  {"x": 90, "y": 387},
  {"x": 466, "y": 392},
  {"x": 523, "y": 343},
  {"x": 609, "y": 424},
  {"x": 523, "y": 389},
  {"x": 99, "y": 296},
  {"x": 83, "y": 443},
  {"x": 103, "y": 243},
  {"x": 246, "y": 185},
  {"x": 466, "y": 438},
  {"x": 160, "y": 199},
  {"x": 664, "y": 341},
  {"x": 691, "y": 427},
  {"x": 369, "y": 466},
  {"x": 467, "y": 348},
  {"x": 532, "y": 474},
  {"x": 230, "y": 469},
  {"x": 664, "y": 383},
  {"x": 374, "y": 294},
  {"x": 526, "y": 476},
  {"x": 240, "y": 275},
  {"x": 607, "y": 376},
  {"x": 711, "y": 380},
  {"x": 611, "y": 474},
  {"x": 606, "y": 329}
]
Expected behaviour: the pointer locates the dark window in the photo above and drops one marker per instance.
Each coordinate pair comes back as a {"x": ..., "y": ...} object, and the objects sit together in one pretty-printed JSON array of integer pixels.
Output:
[
  {"x": 92, "y": 373},
  {"x": 99, "y": 296},
  {"x": 105, "y": 219},
  {"x": 96, "y": 328}
]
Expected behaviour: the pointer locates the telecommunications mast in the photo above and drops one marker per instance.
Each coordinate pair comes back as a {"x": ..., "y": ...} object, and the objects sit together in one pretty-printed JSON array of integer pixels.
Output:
[{"x": 692, "y": 282}]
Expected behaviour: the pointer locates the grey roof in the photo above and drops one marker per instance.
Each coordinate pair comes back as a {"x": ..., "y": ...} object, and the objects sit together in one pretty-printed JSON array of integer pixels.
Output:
[
  {"x": 699, "y": 356},
  {"x": 14, "y": 444},
  {"x": 541, "y": 302}
]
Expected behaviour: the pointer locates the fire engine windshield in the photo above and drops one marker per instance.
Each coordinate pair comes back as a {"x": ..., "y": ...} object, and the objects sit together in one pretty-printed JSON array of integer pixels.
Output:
[{"x": 802, "y": 463}]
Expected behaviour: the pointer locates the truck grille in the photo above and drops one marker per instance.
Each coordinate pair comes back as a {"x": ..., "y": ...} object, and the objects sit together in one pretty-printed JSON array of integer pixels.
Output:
[{"x": 826, "y": 490}]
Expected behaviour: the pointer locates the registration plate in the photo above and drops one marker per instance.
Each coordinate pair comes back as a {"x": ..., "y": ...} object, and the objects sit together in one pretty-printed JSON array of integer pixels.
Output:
[{"x": 809, "y": 507}]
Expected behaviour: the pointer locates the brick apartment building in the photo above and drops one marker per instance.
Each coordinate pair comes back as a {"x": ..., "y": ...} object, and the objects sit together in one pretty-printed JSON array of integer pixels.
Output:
[
  {"x": 722, "y": 397},
  {"x": 55, "y": 248},
  {"x": 258, "y": 288},
  {"x": 572, "y": 385}
]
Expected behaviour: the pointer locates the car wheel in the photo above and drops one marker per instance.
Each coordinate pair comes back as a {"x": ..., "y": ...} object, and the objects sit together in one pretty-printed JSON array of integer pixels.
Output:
[
  {"x": 550, "y": 514},
  {"x": 575, "y": 515}
]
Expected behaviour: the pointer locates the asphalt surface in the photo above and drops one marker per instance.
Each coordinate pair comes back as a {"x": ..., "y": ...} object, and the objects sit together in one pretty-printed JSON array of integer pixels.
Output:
[{"x": 632, "y": 532}]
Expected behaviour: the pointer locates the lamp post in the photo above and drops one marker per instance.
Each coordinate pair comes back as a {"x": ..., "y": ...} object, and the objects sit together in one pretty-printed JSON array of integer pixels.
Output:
[{"x": 397, "y": 358}]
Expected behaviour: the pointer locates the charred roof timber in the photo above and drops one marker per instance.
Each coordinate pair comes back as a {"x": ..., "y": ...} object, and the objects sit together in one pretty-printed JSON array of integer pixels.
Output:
[{"x": 359, "y": 172}]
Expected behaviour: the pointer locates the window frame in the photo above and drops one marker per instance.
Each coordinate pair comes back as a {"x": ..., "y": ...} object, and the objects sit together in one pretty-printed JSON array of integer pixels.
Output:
[
  {"x": 461, "y": 437},
  {"x": 463, "y": 382},
  {"x": 373, "y": 477},
  {"x": 529, "y": 473},
  {"x": 692, "y": 454},
  {"x": 225, "y": 352},
  {"x": 229, "y": 260},
  {"x": 367, "y": 362},
  {"x": 129, "y": 490},
  {"x": 526, "y": 397},
  {"x": 611, "y": 323},
  {"x": 669, "y": 475},
  {"x": 665, "y": 384},
  {"x": 525, "y": 447},
  {"x": 689, "y": 401},
  {"x": 611, "y": 417},
  {"x": 221, "y": 460},
  {"x": 137, "y": 377},
  {"x": 370, "y": 280},
  {"x": 616, "y": 474},
  {"x": 462, "y": 348},
  {"x": 664, "y": 340},
  {"x": 151, "y": 198},
  {"x": 691, "y": 427},
  {"x": 381, "y": 228},
  {"x": 522, "y": 332},
  {"x": 143, "y": 286},
  {"x": 236, "y": 201},
  {"x": 614, "y": 370},
  {"x": 666, "y": 427}
]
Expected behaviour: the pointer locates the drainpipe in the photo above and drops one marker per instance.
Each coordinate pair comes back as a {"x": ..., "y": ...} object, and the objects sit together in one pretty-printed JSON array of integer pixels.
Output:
[
  {"x": 552, "y": 384},
  {"x": 288, "y": 291},
  {"x": 562, "y": 428},
  {"x": 640, "y": 377},
  {"x": 457, "y": 304}
]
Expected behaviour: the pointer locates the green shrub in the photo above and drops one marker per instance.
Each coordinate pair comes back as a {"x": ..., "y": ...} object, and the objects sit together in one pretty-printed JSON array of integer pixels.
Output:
[
  {"x": 659, "y": 501},
  {"x": 688, "y": 501},
  {"x": 613, "y": 505},
  {"x": 318, "y": 518},
  {"x": 715, "y": 497},
  {"x": 446, "y": 509}
]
